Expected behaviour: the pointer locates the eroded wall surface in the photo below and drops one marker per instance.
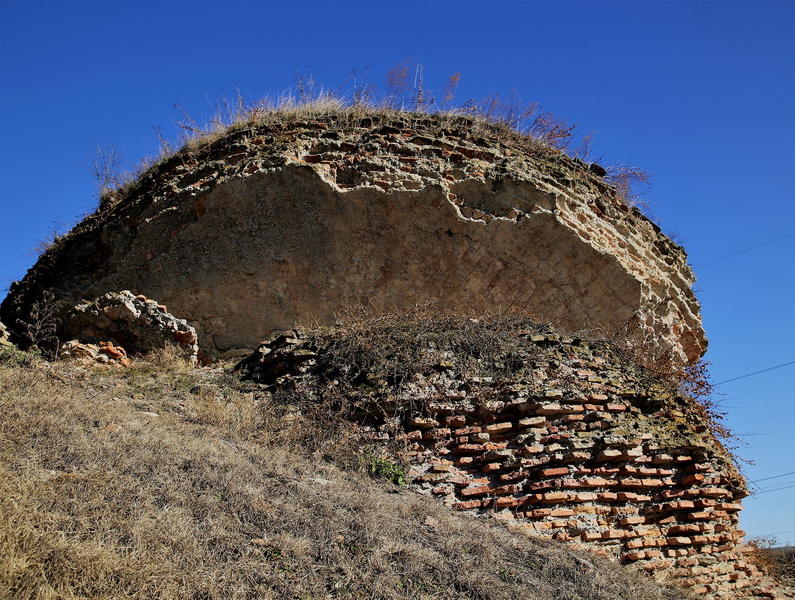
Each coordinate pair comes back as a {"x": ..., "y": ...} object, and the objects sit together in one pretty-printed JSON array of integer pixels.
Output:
[{"x": 264, "y": 228}]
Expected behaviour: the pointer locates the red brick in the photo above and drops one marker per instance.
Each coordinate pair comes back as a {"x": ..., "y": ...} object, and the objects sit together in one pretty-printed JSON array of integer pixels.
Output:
[
  {"x": 607, "y": 496},
  {"x": 553, "y": 472},
  {"x": 475, "y": 491},
  {"x": 468, "y": 505},
  {"x": 496, "y": 427},
  {"x": 691, "y": 479},
  {"x": 467, "y": 430},
  {"x": 685, "y": 529},
  {"x": 509, "y": 502},
  {"x": 455, "y": 421},
  {"x": 469, "y": 448}
]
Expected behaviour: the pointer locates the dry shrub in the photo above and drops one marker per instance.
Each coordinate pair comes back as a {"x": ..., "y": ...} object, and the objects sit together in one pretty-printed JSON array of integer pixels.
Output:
[
  {"x": 401, "y": 343},
  {"x": 101, "y": 499},
  {"x": 627, "y": 180},
  {"x": 638, "y": 345},
  {"x": 780, "y": 562},
  {"x": 169, "y": 357},
  {"x": 761, "y": 552},
  {"x": 39, "y": 330}
]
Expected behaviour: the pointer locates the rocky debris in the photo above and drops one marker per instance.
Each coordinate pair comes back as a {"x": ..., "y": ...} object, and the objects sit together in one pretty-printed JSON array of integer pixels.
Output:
[
  {"x": 298, "y": 219},
  {"x": 103, "y": 353},
  {"x": 284, "y": 354},
  {"x": 119, "y": 323},
  {"x": 572, "y": 443},
  {"x": 4, "y": 336}
]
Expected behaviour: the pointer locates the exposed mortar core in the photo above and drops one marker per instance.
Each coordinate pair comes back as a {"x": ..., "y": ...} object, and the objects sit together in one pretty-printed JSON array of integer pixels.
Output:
[
  {"x": 271, "y": 225},
  {"x": 560, "y": 438}
]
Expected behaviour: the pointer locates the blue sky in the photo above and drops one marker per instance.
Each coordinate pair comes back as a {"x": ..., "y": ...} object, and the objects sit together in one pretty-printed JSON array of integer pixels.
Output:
[{"x": 699, "y": 94}]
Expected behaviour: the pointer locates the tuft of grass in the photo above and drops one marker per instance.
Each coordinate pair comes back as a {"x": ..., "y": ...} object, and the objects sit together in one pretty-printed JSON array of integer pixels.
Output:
[
  {"x": 187, "y": 485},
  {"x": 11, "y": 356}
]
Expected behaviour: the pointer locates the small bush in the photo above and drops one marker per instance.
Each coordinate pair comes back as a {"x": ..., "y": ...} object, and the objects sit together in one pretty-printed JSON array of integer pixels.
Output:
[
  {"x": 11, "y": 357},
  {"x": 382, "y": 468},
  {"x": 40, "y": 329}
]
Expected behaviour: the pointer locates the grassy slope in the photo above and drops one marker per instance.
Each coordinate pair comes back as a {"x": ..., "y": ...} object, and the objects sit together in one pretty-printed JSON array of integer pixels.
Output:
[{"x": 225, "y": 495}]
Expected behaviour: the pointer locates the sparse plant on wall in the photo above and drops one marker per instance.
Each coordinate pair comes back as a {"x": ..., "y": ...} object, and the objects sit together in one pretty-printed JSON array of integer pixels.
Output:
[
  {"x": 629, "y": 182},
  {"x": 40, "y": 328}
]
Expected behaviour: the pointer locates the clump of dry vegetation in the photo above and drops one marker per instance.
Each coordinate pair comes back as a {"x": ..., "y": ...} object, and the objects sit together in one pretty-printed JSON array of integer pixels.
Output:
[
  {"x": 163, "y": 481},
  {"x": 404, "y": 92},
  {"x": 400, "y": 344},
  {"x": 778, "y": 561},
  {"x": 783, "y": 568}
]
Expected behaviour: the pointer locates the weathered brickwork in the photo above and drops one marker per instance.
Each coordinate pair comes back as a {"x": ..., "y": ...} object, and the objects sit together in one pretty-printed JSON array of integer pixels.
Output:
[
  {"x": 571, "y": 443},
  {"x": 273, "y": 224}
]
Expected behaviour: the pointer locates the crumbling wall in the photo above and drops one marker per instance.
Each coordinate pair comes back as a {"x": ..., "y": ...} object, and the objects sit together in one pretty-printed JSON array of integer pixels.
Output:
[
  {"x": 272, "y": 225},
  {"x": 559, "y": 437}
]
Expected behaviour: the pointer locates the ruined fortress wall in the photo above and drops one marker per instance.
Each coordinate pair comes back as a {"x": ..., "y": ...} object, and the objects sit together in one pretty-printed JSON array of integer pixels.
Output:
[
  {"x": 267, "y": 226},
  {"x": 572, "y": 443}
]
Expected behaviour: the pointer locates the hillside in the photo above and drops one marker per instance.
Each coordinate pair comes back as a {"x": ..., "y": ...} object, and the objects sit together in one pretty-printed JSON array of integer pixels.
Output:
[{"x": 163, "y": 481}]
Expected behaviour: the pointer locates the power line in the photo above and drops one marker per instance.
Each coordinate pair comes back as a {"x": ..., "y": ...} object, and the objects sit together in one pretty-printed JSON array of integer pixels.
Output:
[
  {"x": 786, "y": 364},
  {"x": 777, "y": 532},
  {"x": 743, "y": 251},
  {"x": 776, "y": 489},
  {"x": 776, "y": 476},
  {"x": 759, "y": 488},
  {"x": 783, "y": 531}
]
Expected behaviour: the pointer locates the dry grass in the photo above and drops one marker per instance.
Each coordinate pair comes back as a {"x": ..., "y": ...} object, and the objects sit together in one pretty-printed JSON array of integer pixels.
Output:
[
  {"x": 779, "y": 561},
  {"x": 180, "y": 483},
  {"x": 523, "y": 126},
  {"x": 502, "y": 117}
]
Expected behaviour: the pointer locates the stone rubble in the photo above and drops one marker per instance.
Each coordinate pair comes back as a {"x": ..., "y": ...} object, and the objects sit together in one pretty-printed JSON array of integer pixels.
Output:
[
  {"x": 103, "y": 353},
  {"x": 4, "y": 336},
  {"x": 118, "y": 323},
  {"x": 574, "y": 445}
]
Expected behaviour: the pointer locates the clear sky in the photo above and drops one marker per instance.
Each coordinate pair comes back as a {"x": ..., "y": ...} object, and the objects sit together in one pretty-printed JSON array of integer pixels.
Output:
[{"x": 699, "y": 94}]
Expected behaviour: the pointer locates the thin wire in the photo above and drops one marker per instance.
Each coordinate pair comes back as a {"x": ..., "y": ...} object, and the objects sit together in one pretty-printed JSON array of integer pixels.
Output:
[
  {"x": 786, "y": 364},
  {"x": 777, "y": 489},
  {"x": 776, "y": 476},
  {"x": 733, "y": 254},
  {"x": 783, "y": 531},
  {"x": 758, "y": 487}
]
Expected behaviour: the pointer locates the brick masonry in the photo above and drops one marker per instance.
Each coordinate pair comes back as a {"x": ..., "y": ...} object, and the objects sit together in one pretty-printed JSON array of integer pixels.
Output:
[{"x": 574, "y": 443}]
